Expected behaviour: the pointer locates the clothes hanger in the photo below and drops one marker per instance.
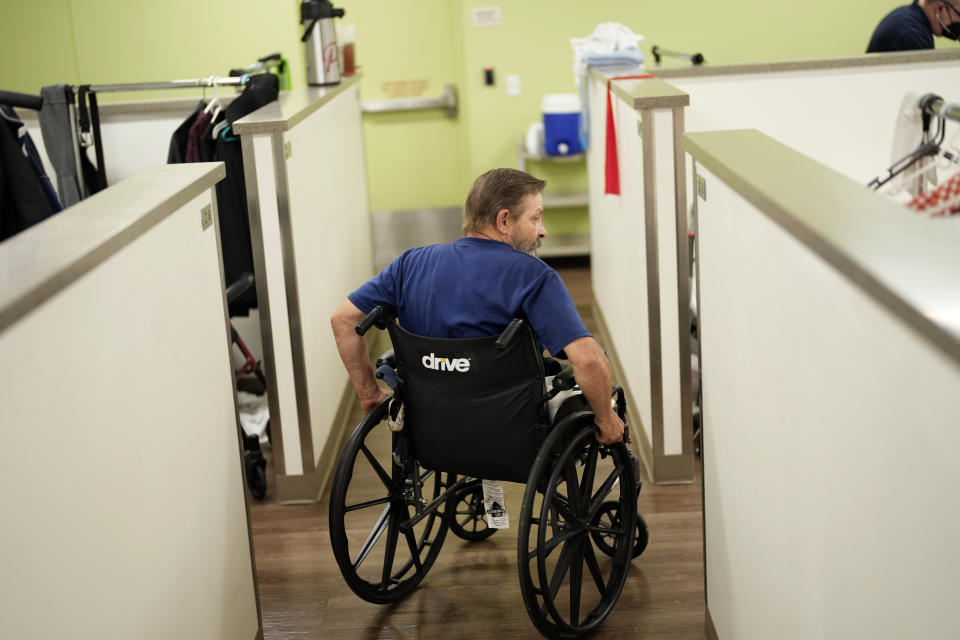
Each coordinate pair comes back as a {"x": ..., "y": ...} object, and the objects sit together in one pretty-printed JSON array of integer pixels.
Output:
[
  {"x": 948, "y": 155},
  {"x": 929, "y": 146},
  {"x": 215, "y": 101}
]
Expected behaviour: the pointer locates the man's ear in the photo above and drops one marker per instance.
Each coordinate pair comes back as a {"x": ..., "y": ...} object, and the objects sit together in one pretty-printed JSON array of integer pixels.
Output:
[{"x": 502, "y": 216}]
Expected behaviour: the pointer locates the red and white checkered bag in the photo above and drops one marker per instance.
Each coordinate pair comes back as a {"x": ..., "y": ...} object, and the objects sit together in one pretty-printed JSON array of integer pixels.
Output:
[{"x": 941, "y": 201}]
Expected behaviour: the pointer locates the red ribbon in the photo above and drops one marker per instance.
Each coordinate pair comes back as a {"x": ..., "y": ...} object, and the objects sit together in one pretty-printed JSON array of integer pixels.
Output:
[{"x": 612, "y": 166}]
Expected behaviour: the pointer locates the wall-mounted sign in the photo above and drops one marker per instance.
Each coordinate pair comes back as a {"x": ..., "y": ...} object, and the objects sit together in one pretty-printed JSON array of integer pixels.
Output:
[
  {"x": 405, "y": 88},
  {"x": 486, "y": 17}
]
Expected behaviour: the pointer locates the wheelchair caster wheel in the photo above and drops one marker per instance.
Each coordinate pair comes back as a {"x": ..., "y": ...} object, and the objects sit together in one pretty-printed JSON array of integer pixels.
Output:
[
  {"x": 256, "y": 468},
  {"x": 607, "y": 519},
  {"x": 467, "y": 515}
]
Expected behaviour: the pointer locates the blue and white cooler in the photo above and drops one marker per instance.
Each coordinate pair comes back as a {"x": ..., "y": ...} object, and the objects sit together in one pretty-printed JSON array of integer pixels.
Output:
[{"x": 561, "y": 123}]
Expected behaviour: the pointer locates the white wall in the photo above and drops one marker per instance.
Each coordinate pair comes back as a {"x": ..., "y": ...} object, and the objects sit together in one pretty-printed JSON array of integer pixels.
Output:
[
  {"x": 829, "y": 457},
  {"x": 124, "y": 512}
]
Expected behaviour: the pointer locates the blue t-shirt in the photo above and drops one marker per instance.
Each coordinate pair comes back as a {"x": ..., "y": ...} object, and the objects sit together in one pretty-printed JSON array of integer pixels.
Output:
[
  {"x": 903, "y": 29},
  {"x": 473, "y": 288}
]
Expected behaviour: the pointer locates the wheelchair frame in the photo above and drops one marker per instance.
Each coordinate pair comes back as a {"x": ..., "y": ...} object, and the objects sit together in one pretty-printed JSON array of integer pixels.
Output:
[{"x": 564, "y": 507}]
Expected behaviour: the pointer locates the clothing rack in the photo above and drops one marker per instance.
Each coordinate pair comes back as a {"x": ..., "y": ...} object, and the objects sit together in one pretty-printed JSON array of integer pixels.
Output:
[{"x": 21, "y": 100}]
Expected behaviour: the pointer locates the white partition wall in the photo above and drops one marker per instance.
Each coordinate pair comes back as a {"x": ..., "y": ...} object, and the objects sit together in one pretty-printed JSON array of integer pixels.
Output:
[
  {"x": 840, "y": 112},
  {"x": 124, "y": 510},
  {"x": 639, "y": 264},
  {"x": 310, "y": 222},
  {"x": 831, "y": 367}
]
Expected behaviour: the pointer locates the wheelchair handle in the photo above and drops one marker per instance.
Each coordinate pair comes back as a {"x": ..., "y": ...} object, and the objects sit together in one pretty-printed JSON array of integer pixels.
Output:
[
  {"x": 564, "y": 380},
  {"x": 371, "y": 318},
  {"x": 507, "y": 336}
]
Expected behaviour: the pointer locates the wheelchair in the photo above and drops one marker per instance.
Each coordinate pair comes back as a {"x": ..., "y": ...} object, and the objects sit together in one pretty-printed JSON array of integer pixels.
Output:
[{"x": 470, "y": 409}]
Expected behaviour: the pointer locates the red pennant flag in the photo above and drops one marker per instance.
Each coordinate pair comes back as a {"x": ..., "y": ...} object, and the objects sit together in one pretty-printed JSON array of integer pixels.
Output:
[{"x": 612, "y": 165}]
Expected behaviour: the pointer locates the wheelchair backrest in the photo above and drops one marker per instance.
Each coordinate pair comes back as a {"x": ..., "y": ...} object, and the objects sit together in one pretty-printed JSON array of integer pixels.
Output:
[{"x": 471, "y": 407}]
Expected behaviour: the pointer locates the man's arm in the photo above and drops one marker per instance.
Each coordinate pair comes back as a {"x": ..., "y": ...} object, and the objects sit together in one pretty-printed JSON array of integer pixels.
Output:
[
  {"x": 595, "y": 379},
  {"x": 353, "y": 352}
]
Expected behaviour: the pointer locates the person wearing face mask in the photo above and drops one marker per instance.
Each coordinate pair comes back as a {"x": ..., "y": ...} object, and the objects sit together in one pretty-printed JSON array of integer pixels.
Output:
[
  {"x": 913, "y": 26},
  {"x": 475, "y": 286}
]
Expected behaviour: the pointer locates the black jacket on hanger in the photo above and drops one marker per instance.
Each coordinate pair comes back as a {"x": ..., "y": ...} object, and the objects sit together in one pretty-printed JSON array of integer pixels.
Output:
[
  {"x": 178, "y": 141},
  {"x": 22, "y": 201},
  {"x": 232, "y": 190}
]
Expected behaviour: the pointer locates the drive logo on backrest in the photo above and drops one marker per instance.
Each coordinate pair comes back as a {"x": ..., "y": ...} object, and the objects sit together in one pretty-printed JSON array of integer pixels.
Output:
[{"x": 460, "y": 365}]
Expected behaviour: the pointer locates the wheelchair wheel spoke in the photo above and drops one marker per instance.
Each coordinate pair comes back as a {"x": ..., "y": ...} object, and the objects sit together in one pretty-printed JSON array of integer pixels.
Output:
[
  {"x": 602, "y": 493},
  {"x": 414, "y": 551},
  {"x": 375, "y": 534},
  {"x": 589, "y": 472},
  {"x": 389, "y": 552},
  {"x": 560, "y": 571},
  {"x": 607, "y": 531},
  {"x": 591, "y": 557},
  {"x": 364, "y": 505},
  {"x": 556, "y": 541},
  {"x": 576, "y": 577},
  {"x": 383, "y": 475}
]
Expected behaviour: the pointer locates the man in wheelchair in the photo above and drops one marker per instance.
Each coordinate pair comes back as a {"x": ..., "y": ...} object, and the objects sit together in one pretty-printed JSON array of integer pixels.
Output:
[
  {"x": 476, "y": 286},
  {"x": 469, "y": 321}
]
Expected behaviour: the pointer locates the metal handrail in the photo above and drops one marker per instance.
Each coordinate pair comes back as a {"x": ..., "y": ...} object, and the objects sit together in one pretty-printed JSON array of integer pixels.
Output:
[{"x": 447, "y": 101}]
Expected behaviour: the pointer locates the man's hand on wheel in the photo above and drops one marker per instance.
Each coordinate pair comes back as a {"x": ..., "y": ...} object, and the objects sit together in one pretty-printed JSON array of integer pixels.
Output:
[
  {"x": 611, "y": 429},
  {"x": 369, "y": 401}
]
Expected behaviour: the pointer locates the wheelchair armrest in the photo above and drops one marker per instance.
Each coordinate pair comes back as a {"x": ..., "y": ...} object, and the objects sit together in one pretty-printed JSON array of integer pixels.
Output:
[{"x": 388, "y": 358}]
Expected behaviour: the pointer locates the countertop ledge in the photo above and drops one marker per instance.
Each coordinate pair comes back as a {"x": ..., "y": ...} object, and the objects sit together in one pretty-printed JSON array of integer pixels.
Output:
[
  {"x": 291, "y": 108},
  {"x": 904, "y": 261}
]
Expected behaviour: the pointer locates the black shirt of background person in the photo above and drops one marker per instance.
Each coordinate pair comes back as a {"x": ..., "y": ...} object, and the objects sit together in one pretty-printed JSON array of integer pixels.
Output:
[{"x": 905, "y": 28}]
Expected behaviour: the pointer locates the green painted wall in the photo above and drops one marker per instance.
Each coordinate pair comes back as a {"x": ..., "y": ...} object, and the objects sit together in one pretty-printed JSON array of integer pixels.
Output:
[{"x": 417, "y": 159}]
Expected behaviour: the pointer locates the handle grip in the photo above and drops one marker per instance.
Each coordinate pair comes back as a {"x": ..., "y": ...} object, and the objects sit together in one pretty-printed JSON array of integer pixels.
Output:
[
  {"x": 507, "y": 336},
  {"x": 370, "y": 319}
]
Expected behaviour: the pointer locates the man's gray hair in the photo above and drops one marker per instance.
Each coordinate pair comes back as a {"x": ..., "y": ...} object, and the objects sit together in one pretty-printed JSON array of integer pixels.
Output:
[{"x": 494, "y": 191}]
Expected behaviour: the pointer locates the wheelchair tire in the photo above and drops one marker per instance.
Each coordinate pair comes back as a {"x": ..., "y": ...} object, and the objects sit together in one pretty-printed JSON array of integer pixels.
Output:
[
  {"x": 381, "y": 568},
  {"x": 608, "y": 517},
  {"x": 466, "y": 512},
  {"x": 568, "y": 589}
]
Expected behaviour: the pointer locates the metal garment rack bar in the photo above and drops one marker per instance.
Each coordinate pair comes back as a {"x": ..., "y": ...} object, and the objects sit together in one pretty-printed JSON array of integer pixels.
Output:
[
  {"x": 172, "y": 84},
  {"x": 692, "y": 58},
  {"x": 22, "y": 100},
  {"x": 447, "y": 101}
]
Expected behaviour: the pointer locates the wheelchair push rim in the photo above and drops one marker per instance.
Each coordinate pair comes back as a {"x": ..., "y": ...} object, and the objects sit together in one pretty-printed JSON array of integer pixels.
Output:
[
  {"x": 380, "y": 558},
  {"x": 569, "y": 585}
]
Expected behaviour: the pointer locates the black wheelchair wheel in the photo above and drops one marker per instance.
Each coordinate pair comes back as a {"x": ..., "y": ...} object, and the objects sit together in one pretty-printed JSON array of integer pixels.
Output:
[
  {"x": 568, "y": 588},
  {"x": 608, "y": 519},
  {"x": 466, "y": 512},
  {"x": 373, "y": 495}
]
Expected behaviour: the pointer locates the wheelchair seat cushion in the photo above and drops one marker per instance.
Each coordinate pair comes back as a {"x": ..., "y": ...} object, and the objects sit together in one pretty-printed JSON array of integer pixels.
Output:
[{"x": 472, "y": 409}]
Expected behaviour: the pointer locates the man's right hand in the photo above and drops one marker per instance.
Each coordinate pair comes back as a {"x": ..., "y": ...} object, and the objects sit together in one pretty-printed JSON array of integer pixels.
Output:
[
  {"x": 369, "y": 401},
  {"x": 611, "y": 429}
]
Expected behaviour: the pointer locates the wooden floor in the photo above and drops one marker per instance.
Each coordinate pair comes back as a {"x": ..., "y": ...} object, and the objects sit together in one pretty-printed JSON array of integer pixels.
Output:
[{"x": 473, "y": 591}]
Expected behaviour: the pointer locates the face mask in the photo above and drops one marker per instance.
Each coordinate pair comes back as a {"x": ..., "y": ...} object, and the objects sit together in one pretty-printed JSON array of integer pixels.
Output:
[{"x": 951, "y": 31}]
